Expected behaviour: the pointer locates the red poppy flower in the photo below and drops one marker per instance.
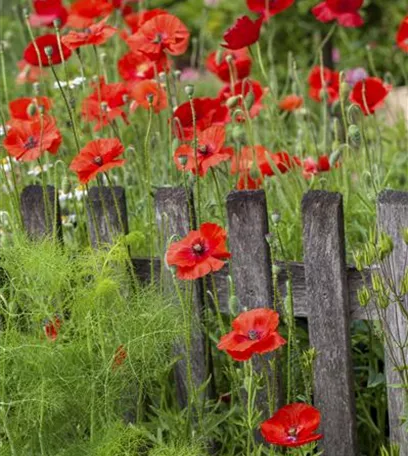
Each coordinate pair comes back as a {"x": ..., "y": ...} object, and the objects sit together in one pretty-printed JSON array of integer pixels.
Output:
[
  {"x": 143, "y": 90},
  {"x": 402, "y": 35},
  {"x": 293, "y": 425},
  {"x": 324, "y": 78},
  {"x": 28, "y": 140},
  {"x": 210, "y": 151},
  {"x": 46, "y": 12},
  {"x": 103, "y": 105},
  {"x": 243, "y": 33},
  {"x": 162, "y": 33},
  {"x": 312, "y": 167},
  {"x": 243, "y": 89},
  {"x": 254, "y": 163},
  {"x": 254, "y": 332},
  {"x": 83, "y": 13},
  {"x": 42, "y": 42},
  {"x": 240, "y": 61},
  {"x": 94, "y": 35},
  {"x": 28, "y": 73},
  {"x": 137, "y": 67},
  {"x": 291, "y": 103},
  {"x": 208, "y": 112},
  {"x": 97, "y": 156},
  {"x": 370, "y": 94},
  {"x": 199, "y": 253},
  {"x": 19, "y": 108},
  {"x": 51, "y": 328},
  {"x": 345, "y": 12},
  {"x": 136, "y": 20},
  {"x": 119, "y": 357},
  {"x": 269, "y": 7}
]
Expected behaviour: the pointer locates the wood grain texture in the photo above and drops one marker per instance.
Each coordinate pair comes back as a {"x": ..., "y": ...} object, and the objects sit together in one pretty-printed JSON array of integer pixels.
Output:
[
  {"x": 107, "y": 214},
  {"x": 37, "y": 223},
  {"x": 251, "y": 270},
  {"x": 173, "y": 220},
  {"x": 329, "y": 315},
  {"x": 392, "y": 210}
]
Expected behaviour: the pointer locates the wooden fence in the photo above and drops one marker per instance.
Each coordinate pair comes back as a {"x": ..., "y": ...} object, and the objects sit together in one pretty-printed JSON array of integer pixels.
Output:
[{"x": 324, "y": 287}]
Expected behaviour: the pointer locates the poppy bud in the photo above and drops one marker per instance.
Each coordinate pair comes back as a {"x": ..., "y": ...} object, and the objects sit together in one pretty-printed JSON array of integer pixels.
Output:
[
  {"x": 218, "y": 57},
  {"x": 377, "y": 282},
  {"x": 323, "y": 95},
  {"x": 237, "y": 114},
  {"x": 358, "y": 260},
  {"x": 275, "y": 217},
  {"x": 344, "y": 89},
  {"x": 334, "y": 157},
  {"x": 31, "y": 109},
  {"x": 276, "y": 270},
  {"x": 175, "y": 144},
  {"x": 405, "y": 235},
  {"x": 229, "y": 58},
  {"x": 233, "y": 303},
  {"x": 72, "y": 102},
  {"x": 48, "y": 50},
  {"x": 57, "y": 23},
  {"x": 26, "y": 13},
  {"x": 363, "y": 296},
  {"x": 249, "y": 100},
  {"x": 183, "y": 159},
  {"x": 130, "y": 150},
  {"x": 189, "y": 89},
  {"x": 232, "y": 102},
  {"x": 95, "y": 79},
  {"x": 66, "y": 185},
  {"x": 354, "y": 135},
  {"x": 238, "y": 134},
  {"x": 254, "y": 172},
  {"x": 177, "y": 75},
  {"x": 383, "y": 301}
]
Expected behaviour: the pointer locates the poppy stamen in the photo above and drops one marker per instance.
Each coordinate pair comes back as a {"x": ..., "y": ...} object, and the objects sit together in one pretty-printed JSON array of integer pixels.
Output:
[
  {"x": 31, "y": 143},
  {"x": 158, "y": 39},
  {"x": 204, "y": 150},
  {"x": 98, "y": 160},
  {"x": 198, "y": 248}
]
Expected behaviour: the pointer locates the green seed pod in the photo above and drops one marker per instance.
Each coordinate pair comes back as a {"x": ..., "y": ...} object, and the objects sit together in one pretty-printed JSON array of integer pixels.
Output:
[
  {"x": 249, "y": 100},
  {"x": 385, "y": 246},
  {"x": 218, "y": 57},
  {"x": 334, "y": 157},
  {"x": 383, "y": 301},
  {"x": 66, "y": 185},
  {"x": 177, "y": 75},
  {"x": 355, "y": 135},
  {"x": 189, "y": 89},
  {"x": 254, "y": 172},
  {"x": 183, "y": 159},
  {"x": 344, "y": 89},
  {"x": 48, "y": 50},
  {"x": 57, "y": 23},
  {"x": 359, "y": 260},
  {"x": 31, "y": 109},
  {"x": 377, "y": 282},
  {"x": 363, "y": 296}
]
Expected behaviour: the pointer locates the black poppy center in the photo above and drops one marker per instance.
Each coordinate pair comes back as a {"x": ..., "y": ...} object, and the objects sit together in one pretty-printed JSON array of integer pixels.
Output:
[
  {"x": 253, "y": 334},
  {"x": 158, "y": 38},
  {"x": 198, "y": 248},
  {"x": 293, "y": 434},
  {"x": 98, "y": 160},
  {"x": 31, "y": 143}
]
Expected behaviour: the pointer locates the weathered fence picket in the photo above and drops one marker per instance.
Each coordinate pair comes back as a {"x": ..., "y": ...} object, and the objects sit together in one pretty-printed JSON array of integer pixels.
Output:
[
  {"x": 392, "y": 218},
  {"x": 324, "y": 288},
  {"x": 329, "y": 316}
]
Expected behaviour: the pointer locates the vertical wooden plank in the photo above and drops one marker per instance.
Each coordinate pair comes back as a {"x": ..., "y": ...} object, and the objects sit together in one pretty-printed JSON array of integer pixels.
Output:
[
  {"x": 107, "y": 214},
  {"x": 173, "y": 219},
  {"x": 251, "y": 261},
  {"x": 329, "y": 326},
  {"x": 252, "y": 270},
  {"x": 392, "y": 208},
  {"x": 37, "y": 223}
]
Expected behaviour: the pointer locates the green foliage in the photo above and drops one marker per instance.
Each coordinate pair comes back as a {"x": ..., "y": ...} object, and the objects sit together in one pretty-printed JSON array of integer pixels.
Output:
[{"x": 55, "y": 392}]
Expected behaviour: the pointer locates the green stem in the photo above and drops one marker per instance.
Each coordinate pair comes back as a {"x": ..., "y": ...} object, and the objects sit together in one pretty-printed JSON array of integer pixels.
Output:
[{"x": 195, "y": 146}]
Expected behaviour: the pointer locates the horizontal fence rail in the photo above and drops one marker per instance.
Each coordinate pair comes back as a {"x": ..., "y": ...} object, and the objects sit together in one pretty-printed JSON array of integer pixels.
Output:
[{"x": 324, "y": 288}]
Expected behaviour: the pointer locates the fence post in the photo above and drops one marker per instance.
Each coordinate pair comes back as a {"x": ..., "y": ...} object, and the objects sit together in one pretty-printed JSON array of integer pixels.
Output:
[
  {"x": 173, "y": 219},
  {"x": 37, "y": 222},
  {"x": 392, "y": 209},
  {"x": 107, "y": 214},
  {"x": 251, "y": 264},
  {"x": 329, "y": 325}
]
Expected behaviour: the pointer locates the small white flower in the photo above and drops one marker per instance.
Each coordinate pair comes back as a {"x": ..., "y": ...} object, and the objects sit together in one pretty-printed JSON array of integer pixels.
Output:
[
  {"x": 73, "y": 83},
  {"x": 36, "y": 171}
]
